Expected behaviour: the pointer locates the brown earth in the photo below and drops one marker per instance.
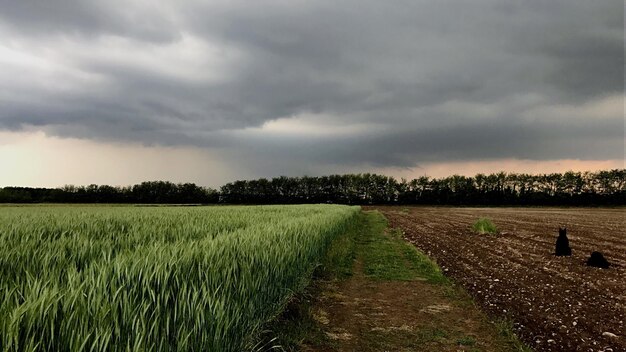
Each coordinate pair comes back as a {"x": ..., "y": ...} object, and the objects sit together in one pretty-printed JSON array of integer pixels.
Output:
[
  {"x": 556, "y": 303},
  {"x": 364, "y": 315}
]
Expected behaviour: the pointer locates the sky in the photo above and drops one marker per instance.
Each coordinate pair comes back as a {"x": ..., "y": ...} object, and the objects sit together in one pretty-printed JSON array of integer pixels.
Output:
[{"x": 119, "y": 92}]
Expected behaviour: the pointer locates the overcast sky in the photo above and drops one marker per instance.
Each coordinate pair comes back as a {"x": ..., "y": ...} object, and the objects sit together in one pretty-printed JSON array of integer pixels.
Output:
[{"x": 121, "y": 91}]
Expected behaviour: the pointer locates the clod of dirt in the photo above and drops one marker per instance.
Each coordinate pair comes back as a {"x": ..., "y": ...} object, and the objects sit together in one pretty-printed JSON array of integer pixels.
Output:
[{"x": 597, "y": 260}]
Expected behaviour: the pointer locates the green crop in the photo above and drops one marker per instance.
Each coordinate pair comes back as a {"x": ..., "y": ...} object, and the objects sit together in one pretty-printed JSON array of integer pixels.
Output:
[
  {"x": 154, "y": 278},
  {"x": 485, "y": 226}
]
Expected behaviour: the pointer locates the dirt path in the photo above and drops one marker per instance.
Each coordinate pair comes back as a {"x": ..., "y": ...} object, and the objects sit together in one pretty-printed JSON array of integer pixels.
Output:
[{"x": 397, "y": 300}]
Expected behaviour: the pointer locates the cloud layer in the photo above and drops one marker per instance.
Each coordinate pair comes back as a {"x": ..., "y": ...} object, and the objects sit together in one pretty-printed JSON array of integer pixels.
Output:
[{"x": 286, "y": 84}]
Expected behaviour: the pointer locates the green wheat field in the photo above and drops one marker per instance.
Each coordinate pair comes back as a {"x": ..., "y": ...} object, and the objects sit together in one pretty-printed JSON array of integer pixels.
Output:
[{"x": 154, "y": 278}]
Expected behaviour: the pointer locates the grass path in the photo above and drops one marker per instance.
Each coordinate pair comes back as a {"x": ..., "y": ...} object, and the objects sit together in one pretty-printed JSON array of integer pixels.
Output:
[{"x": 378, "y": 293}]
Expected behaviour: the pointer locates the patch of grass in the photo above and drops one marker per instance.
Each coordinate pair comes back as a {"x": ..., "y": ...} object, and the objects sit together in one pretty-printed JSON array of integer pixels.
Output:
[
  {"x": 418, "y": 339},
  {"x": 296, "y": 325},
  {"x": 505, "y": 329},
  {"x": 467, "y": 341},
  {"x": 420, "y": 263},
  {"x": 338, "y": 264},
  {"x": 387, "y": 256},
  {"x": 430, "y": 335},
  {"x": 485, "y": 226},
  {"x": 381, "y": 253}
]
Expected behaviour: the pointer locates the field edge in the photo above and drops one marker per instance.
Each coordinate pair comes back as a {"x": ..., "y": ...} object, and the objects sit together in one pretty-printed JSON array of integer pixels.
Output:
[{"x": 299, "y": 325}]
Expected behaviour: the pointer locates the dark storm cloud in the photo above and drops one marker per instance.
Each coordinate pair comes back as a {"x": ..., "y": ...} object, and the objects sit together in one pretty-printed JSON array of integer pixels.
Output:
[
  {"x": 465, "y": 141},
  {"x": 589, "y": 68},
  {"x": 89, "y": 18},
  {"x": 435, "y": 80}
]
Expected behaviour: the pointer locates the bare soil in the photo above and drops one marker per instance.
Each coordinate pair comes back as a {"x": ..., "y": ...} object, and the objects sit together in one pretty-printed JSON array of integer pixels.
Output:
[{"x": 556, "y": 303}]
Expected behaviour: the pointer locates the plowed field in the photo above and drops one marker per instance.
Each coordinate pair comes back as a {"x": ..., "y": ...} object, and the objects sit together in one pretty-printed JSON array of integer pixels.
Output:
[{"x": 556, "y": 303}]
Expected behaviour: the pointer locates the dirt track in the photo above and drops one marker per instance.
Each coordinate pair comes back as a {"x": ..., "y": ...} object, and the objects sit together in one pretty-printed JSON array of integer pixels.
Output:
[
  {"x": 556, "y": 303},
  {"x": 362, "y": 312}
]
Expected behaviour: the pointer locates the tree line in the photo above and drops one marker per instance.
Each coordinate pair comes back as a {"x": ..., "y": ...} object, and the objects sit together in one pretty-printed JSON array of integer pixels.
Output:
[
  {"x": 569, "y": 188},
  {"x": 154, "y": 192}
]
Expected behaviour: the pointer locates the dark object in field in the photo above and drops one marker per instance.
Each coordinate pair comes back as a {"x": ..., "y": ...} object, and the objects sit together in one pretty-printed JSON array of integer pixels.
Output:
[
  {"x": 562, "y": 244},
  {"x": 597, "y": 260}
]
